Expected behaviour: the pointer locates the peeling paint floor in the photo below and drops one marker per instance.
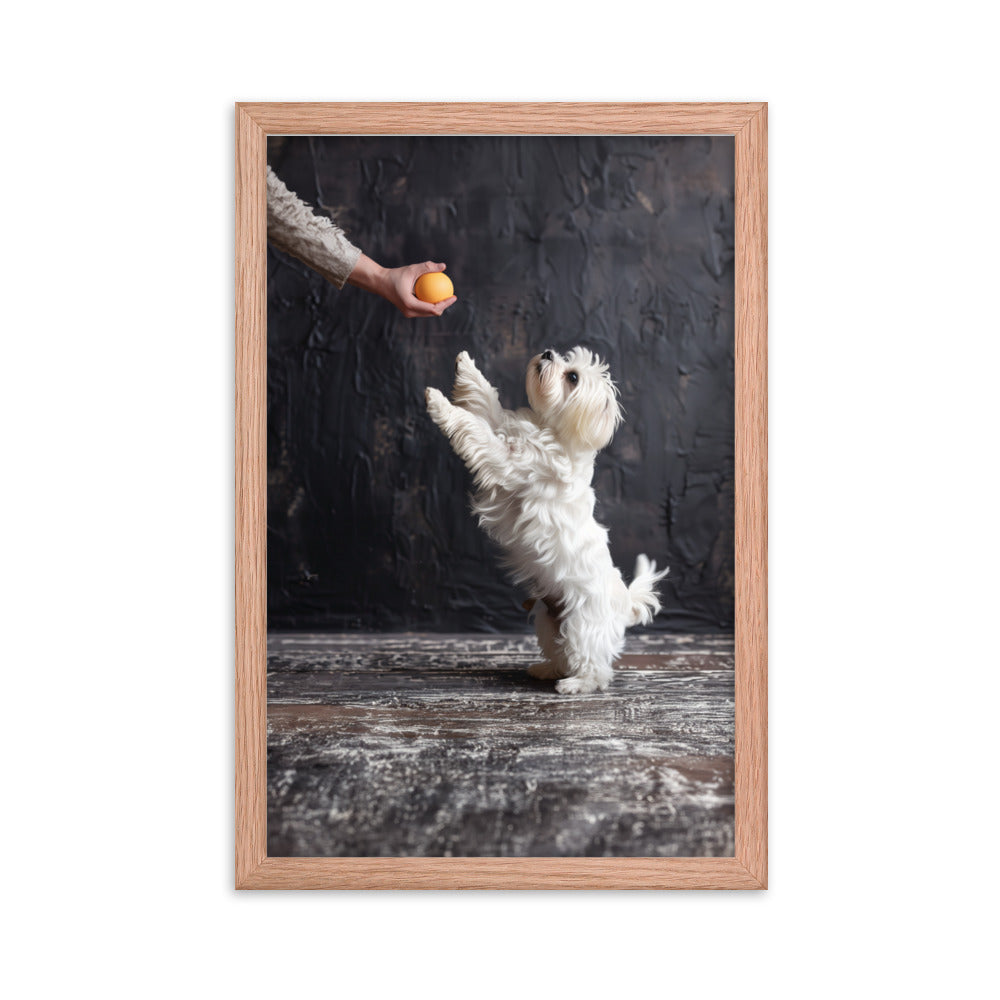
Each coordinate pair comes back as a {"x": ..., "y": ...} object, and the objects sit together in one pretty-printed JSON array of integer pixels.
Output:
[{"x": 436, "y": 745}]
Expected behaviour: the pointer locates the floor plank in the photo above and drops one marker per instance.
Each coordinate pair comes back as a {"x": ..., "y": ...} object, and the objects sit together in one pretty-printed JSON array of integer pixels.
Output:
[{"x": 433, "y": 745}]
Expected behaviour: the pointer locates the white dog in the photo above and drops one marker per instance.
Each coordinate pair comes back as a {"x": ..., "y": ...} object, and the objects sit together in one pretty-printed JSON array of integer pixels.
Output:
[{"x": 532, "y": 472}]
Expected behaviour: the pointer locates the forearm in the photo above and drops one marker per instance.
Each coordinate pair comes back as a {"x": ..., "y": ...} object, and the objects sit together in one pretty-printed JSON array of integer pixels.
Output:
[
  {"x": 370, "y": 276},
  {"x": 313, "y": 239}
]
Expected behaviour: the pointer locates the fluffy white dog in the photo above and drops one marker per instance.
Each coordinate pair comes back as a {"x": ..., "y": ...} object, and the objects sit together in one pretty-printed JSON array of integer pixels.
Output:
[{"x": 532, "y": 470}]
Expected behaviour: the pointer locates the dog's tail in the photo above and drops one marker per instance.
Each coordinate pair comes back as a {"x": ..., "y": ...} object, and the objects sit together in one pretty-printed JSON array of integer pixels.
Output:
[{"x": 644, "y": 600}]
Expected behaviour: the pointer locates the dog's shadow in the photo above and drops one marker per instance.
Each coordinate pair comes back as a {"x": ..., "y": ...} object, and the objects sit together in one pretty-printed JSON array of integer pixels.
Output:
[{"x": 514, "y": 680}]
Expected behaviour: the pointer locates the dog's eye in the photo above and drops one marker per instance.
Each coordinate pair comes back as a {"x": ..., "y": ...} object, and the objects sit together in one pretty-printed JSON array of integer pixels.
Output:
[{"x": 573, "y": 377}]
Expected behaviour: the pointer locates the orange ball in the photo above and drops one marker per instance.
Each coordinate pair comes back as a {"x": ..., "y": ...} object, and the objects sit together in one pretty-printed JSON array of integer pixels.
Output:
[{"x": 433, "y": 287}]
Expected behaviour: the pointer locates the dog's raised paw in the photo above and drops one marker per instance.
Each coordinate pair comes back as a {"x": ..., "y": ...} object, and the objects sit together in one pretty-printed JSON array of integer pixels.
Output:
[
  {"x": 436, "y": 402},
  {"x": 465, "y": 365}
]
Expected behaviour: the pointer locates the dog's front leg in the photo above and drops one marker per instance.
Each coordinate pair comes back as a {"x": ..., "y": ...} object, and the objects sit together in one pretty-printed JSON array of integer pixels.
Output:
[
  {"x": 473, "y": 393},
  {"x": 485, "y": 455}
]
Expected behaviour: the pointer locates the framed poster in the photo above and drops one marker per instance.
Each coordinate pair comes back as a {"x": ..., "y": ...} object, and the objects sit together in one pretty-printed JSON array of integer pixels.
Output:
[{"x": 388, "y": 733}]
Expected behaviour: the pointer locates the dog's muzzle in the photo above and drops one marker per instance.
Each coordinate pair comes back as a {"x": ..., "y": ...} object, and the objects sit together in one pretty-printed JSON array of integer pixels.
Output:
[{"x": 546, "y": 356}]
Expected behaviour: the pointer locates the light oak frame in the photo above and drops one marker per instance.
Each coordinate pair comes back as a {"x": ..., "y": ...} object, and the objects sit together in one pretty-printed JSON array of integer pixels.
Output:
[{"x": 748, "y": 869}]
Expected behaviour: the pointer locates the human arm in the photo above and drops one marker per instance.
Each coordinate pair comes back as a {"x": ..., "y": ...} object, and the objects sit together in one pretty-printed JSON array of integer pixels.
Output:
[
  {"x": 318, "y": 242},
  {"x": 314, "y": 239}
]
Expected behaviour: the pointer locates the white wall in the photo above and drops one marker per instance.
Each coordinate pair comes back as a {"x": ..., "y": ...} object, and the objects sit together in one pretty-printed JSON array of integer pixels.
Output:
[{"x": 117, "y": 414}]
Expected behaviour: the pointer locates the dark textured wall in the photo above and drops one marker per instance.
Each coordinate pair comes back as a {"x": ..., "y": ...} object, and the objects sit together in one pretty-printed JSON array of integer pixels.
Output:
[{"x": 621, "y": 244}]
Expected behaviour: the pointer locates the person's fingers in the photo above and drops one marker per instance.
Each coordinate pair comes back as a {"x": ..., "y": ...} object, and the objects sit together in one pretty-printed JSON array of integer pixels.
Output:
[
  {"x": 414, "y": 307},
  {"x": 440, "y": 307},
  {"x": 408, "y": 304}
]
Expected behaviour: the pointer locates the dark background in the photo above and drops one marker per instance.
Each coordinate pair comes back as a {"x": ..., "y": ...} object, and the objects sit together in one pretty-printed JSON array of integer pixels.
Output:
[{"x": 622, "y": 244}]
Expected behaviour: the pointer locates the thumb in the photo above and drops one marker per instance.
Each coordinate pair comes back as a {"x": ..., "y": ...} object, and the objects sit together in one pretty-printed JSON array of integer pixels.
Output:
[{"x": 429, "y": 266}]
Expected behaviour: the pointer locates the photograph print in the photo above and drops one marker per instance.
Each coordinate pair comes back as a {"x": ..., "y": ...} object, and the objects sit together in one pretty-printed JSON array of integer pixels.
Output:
[{"x": 500, "y": 496}]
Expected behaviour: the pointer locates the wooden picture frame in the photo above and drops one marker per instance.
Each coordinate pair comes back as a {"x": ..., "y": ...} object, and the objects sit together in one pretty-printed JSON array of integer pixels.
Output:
[{"x": 748, "y": 868}]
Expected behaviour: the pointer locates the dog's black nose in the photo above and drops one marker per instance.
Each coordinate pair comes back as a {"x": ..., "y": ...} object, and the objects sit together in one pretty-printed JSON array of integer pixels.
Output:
[{"x": 546, "y": 355}]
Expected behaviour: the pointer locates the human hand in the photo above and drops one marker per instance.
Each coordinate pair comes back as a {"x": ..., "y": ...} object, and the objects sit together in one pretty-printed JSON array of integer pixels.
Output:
[{"x": 395, "y": 285}]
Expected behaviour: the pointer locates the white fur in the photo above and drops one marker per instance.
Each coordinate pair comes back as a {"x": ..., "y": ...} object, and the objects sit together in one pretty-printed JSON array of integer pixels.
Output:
[{"x": 532, "y": 470}]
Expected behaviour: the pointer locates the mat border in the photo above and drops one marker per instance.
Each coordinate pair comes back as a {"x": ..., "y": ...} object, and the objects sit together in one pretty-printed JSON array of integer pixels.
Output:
[{"x": 747, "y": 122}]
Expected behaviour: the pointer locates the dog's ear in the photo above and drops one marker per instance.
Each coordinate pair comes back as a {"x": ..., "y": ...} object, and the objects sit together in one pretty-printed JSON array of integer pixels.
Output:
[
  {"x": 591, "y": 419},
  {"x": 604, "y": 427}
]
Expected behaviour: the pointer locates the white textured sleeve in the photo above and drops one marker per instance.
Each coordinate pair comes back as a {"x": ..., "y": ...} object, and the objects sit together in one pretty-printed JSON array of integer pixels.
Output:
[{"x": 314, "y": 239}]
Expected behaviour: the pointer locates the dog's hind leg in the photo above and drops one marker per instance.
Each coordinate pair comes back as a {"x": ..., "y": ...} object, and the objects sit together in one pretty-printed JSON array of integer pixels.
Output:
[
  {"x": 553, "y": 662},
  {"x": 592, "y": 640}
]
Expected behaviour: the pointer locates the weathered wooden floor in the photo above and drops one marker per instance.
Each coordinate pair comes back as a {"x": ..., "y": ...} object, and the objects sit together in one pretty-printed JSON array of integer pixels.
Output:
[{"x": 432, "y": 745}]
